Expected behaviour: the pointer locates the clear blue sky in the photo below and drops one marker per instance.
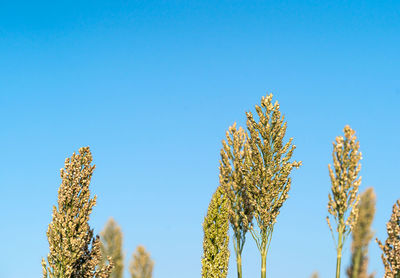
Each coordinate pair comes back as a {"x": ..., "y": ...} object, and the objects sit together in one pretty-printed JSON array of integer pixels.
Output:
[{"x": 151, "y": 87}]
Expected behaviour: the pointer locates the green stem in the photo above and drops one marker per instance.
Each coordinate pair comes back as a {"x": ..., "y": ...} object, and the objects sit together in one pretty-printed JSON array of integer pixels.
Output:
[
  {"x": 338, "y": 262},
  {"x": 238, "y": 246},
  {"x": 264, "y": 247},
  {"x": 263, "y": 264},
  {"x": 339, "y": 249},
  {"x": 239, "y": 264}
]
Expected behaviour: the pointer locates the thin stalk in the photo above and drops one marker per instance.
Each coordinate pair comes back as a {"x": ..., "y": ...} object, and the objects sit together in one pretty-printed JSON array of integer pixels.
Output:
[
  {"x": 238, "y": 246},
  {"x": 338, "y": 262},
  {"x": 263, "y": 264},
  {"x": 239, "y": 264},
  {"x": 253, "y": 234},
  {"x": 339, "y": 248}
]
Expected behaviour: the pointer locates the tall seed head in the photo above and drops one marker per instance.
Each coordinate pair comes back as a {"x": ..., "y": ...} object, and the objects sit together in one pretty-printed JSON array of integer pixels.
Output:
[
  {"x": 362, "y": 235},
  {"x": 141, "y": 264},
  {"x": 215, "y": 244},
  {"x": 344, "y": 198},
  {"x": 69, "y": 234},
  {"x": 232, "y": 180},
  {"x": 391, "y": 249},
  {"x": 267, "y": 163},
  {"x": 111, "y": 246}
]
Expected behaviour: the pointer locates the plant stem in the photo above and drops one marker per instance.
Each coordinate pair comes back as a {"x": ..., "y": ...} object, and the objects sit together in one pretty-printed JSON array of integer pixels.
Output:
[
  {"x": 339, "y": 248},
  {"x": 338, "y": 262},
  {"x": 238, "y": 246},
  {"x": 239, "y": 264},
  {"x": 263, "y": 264}
]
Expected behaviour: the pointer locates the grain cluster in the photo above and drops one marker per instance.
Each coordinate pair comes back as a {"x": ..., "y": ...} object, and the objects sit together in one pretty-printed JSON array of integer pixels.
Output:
[
  {"x": 391, "y": 248},
  {"x": 215, "y": 258},
  {"x": 74, "y": 251}
]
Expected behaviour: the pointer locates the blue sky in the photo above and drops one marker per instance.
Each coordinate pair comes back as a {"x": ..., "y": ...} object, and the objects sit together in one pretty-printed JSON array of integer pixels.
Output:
[{"x": 152, "y": 86}]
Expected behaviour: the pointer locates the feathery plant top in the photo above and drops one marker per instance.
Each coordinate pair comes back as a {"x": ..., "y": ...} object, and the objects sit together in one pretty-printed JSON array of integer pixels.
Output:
[
  {"x": 345, "y": 180},
  {"x": 268, "y": 164},
  {"x": 232, "y": 180},
  {"x": 215, "y": 243},
  {"x": 69, "y": 234},
  {"x": 391, "y": 249}
]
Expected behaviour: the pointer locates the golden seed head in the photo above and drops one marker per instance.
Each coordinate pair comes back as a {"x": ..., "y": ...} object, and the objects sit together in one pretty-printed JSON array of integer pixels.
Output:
[
  {"x": 232, "y": 181},
  {"x": 343, "y": 199},
  {"x": 362, "y": 235},
  {"x": 391, "y": 248},
  {"x": 215, "y": 258},
  {"x": 111, "y": 246},
  {"x": 141, "y": 265},
  {"x": 74, "y": 251},
  {"x": 267, "y": 164}
]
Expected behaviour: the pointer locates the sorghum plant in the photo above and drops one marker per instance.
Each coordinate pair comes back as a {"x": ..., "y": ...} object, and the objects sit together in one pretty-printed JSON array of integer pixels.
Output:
[
  {"x": 69, "y": 234},
  {"x": 215, "y": 243},
  {"x": 315, "y": 275},
  {"x": 111, "y": 246},
  {"x": 141, "y": 265},
  {"x": 362, "y": 235},
  {"x": 391, "y": 249},
  {"x": 343, "y": 202},
  {"x": 267, "y": 171},
  {"x": 232, "y": 181}
]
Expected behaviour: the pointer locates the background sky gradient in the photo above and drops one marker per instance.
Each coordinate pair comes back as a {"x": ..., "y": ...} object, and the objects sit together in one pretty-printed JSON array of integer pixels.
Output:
[{"x": 152, "y": 86}]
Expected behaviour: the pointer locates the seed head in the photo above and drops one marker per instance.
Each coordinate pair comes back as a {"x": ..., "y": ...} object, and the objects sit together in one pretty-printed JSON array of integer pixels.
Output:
[
  {"x": 215, "y": 244},
  {"x": 267, "y": 164},
  {"x": 74, "y": 251},
  {"x": 391, "y": 249},
  {"x": 232, "y": 181},
  {"x": 141, "y": 265},
  {"x": 344, "y": 198}
]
